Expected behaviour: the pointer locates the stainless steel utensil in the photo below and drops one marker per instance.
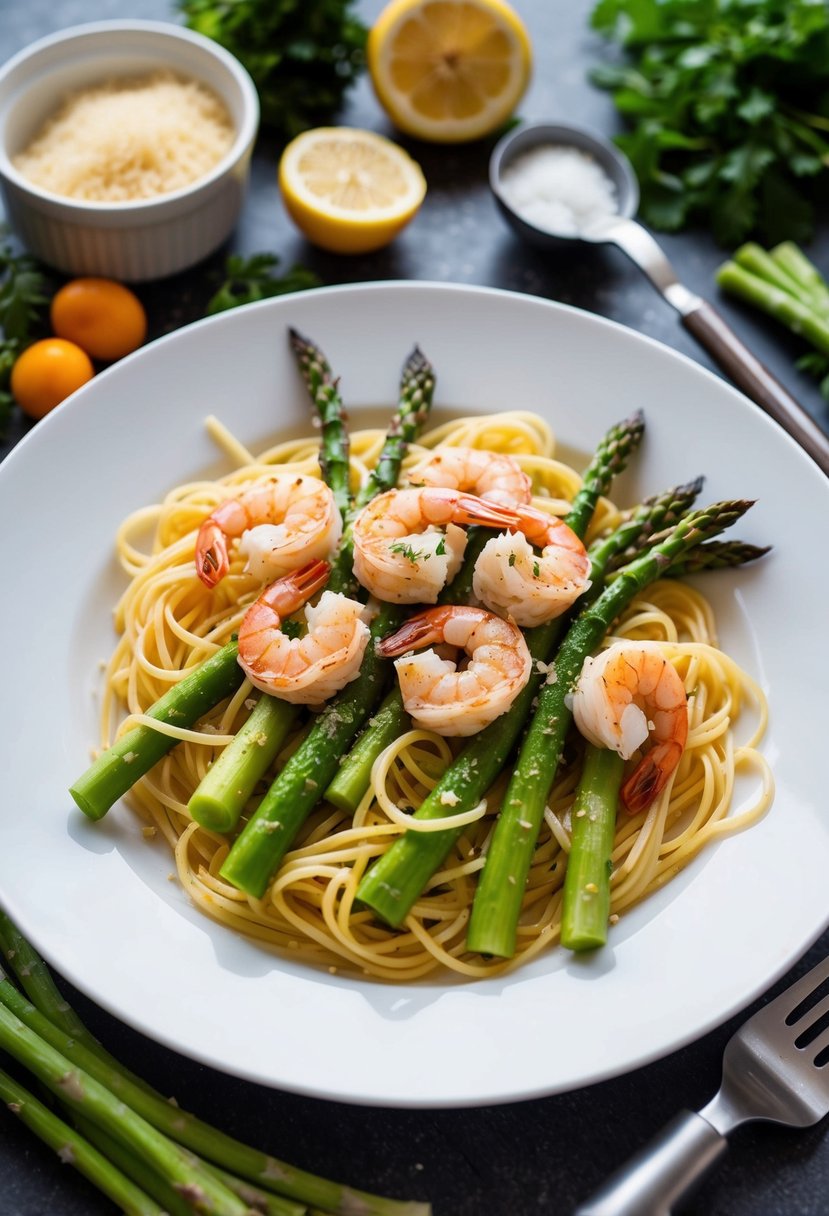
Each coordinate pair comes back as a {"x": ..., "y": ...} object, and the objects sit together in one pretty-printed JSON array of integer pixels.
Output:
[
  {"x": 776, "y": 1067},
  {"x": 698, "y": 316}
]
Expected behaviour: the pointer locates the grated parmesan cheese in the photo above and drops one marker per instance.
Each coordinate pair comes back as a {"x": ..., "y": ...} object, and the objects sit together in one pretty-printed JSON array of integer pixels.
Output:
[{"x": 129, "y": 139}]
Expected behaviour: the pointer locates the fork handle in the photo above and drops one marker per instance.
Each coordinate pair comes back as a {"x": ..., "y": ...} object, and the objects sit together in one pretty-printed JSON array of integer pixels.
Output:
[{"x": 660, "y": 1173}]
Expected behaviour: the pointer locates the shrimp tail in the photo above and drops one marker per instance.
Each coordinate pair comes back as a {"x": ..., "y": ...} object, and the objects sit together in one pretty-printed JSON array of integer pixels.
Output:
[
  {"x": 212, "y": 561},
  {"x": 474, "y": 510},
  {"x": 293, "y": 590},
  {"x": 441, "y": 506},
  {"x": 425, "y": 629},
  {"x": 650, "y": 776}
]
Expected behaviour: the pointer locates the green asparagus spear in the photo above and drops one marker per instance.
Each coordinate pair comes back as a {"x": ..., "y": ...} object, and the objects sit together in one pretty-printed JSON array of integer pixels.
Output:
[
  {"x": 170, "y": 1200},
  {"x": 46, "y": 1040},
  {"x": 221, "y": 795},
  {"x": 717, "y": 555},
  {"x": 796, "y": 315},
  {"x": 397, "y": 878},
  {"x": 353, "y": 777},
  {"x": 75, "y": 1149},
  {"x": 119, "y": 767},
  {"x": 586, "y": 896},
  {"x": 324, "y": 391},
  {"x": 791, "y": 259},
  {"x": 497, "y": 904}
]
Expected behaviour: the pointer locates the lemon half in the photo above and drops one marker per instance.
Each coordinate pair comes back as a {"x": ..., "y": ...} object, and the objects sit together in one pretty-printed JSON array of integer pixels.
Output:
[
  {"x": 449, "y": 70},
  {"x": 349, "y": 191}
]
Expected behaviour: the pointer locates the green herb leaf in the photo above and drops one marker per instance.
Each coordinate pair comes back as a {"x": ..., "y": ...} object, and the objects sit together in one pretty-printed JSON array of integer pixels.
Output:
[
  {"x": 405, "y": 550},
  {"x": 254, "y": 278},
  {"x": 726, "y": 101}
]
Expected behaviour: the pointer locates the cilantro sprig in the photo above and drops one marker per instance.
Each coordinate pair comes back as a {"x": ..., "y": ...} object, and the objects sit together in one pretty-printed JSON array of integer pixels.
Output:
[{"x": 728, "y": 104}]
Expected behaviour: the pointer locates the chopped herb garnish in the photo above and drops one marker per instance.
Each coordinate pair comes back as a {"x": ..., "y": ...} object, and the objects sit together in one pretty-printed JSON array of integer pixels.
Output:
[
  {"x": 412, "y": 555},
  {"x": 536, "y": 569},
  {"x": 441, "y": 547},
  {"x": 511, "y": 559}
]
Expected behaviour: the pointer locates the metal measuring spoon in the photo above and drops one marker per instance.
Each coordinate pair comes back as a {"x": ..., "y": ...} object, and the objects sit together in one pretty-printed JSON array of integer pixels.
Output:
[{"x": 698, "y": 316}]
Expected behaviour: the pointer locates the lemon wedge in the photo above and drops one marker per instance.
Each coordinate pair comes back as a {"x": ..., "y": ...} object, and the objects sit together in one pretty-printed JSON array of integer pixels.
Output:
[
  {"x": 349, "y": 191},
  {"x": 449, "y": 70}
]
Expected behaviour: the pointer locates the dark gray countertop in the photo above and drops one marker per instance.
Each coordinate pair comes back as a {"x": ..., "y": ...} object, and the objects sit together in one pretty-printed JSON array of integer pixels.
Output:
[{"x": 532, "y": 1157}]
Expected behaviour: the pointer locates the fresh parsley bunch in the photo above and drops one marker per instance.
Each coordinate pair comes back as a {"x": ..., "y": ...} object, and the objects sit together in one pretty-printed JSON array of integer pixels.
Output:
[
  {"x": 302, "y": 54},
  {"x": 729, "y": 106}
]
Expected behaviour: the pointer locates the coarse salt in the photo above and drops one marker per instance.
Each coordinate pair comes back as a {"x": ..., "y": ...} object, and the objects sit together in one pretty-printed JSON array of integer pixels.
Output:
[{"x": 560, "y": 190}]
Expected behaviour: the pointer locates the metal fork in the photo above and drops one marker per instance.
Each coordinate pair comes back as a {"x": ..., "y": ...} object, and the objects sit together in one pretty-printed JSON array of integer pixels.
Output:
[{"x": 773, "y": 1069}]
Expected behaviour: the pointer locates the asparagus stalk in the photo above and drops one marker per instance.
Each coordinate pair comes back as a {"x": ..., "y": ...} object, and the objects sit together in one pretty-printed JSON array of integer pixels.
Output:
[
  {"x": 168, "y": 1200},
  {"x": 235, "y": 1162},
  {"x": 222, "y": 794},
  {"x": 792, "y": 312},
  {"x": 397, "y": 878},
  {"x": 353, "y": 778},
  {"x": 497, "y": 903},
  {"x": 79, "y": 1089},
  {"x": 119, "y": 767},
  {"x": 717, "y": 555},
  {"x": 586, "y": 896},
  {"x": 325, "y": 394},
  {"x": 753, "y": 258},
  {"x": 794, "y": 262},
  {"x": 171, "y": 1202},
  {"x": 74, "y": 1149}
]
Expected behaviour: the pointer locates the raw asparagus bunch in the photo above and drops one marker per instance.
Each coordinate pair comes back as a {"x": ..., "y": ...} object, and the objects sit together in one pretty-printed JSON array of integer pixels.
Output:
[
  {"x": 497, "y": 903},
  {"x": 146, "y": 1154},
  {"x": 785, "y": 284},
  {"x": 397, "y": 878}
]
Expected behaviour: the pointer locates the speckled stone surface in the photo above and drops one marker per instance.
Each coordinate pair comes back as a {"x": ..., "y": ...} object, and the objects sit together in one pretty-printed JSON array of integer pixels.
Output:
[{"x": 530, "y": 1158}]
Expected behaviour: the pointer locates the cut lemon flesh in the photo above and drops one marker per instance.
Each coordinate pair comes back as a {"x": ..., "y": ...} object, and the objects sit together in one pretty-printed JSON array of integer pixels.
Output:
[
  {"x": 449, "y": 70},
  {"x": 349, "y": 190}
]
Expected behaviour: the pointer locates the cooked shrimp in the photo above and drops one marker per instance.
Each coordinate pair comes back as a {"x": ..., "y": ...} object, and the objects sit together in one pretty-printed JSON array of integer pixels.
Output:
[
  {"x": 531, "y": 589},
  {"x": 282, "y": 522},
  {"x": 400, "y": 553},
  {"x": 453, "y": 700},
  {"x": 491, "y": 475},
  {"x": 310, "y": 669},
  {"x": 627, "y": 693}
]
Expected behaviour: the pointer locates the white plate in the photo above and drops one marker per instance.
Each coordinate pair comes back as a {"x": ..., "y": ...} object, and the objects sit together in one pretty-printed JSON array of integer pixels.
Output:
[{"x": 96, "y": 899}]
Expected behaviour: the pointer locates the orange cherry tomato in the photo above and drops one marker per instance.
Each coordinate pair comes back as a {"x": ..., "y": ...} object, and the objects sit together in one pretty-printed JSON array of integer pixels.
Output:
[
  {"x": 103, "y": 317},
  {"x": 46, "y": 373}
]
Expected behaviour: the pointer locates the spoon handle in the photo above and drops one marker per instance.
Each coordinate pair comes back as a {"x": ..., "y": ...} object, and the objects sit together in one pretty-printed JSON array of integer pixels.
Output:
[{"x": 756, "y": 381}]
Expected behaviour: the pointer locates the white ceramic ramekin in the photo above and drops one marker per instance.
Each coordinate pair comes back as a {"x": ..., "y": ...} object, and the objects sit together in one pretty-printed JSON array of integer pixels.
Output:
[{"x": 134, "y": 241}]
